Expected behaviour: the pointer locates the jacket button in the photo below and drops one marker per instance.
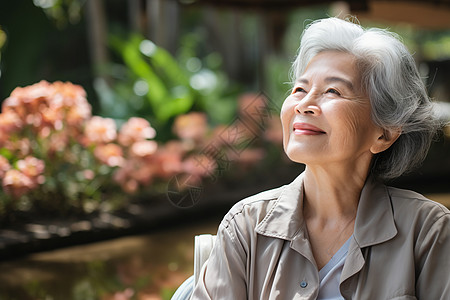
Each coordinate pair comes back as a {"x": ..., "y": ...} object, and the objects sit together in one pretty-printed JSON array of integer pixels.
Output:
[{"x": 303, "y": 284}]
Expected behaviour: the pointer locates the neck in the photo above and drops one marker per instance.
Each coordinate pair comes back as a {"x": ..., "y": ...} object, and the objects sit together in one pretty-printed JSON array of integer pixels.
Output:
[{"x": 332, "y": 196}]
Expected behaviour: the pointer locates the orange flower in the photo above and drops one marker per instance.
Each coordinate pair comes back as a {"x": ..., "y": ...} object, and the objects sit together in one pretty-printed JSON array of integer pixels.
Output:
[
  {"x": 134, "y": 130},
  {"x": 16, "y": 183},
  {"x": 100, "y": 130},
  {"x": 109, "y": 154},
  {"x": 192, "y": 126}
]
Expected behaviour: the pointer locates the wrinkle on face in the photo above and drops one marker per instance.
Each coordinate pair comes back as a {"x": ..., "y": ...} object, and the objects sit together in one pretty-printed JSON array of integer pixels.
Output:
[{"x": 346, "y": 118}]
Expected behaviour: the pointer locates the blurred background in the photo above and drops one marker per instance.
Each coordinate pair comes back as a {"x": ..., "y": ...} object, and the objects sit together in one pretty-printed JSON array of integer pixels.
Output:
[{"x": 128, "y": 127}]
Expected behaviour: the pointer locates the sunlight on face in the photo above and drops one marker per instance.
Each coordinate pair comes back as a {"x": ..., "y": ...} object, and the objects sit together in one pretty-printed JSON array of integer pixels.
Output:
[{"x": 327, "y": 118}]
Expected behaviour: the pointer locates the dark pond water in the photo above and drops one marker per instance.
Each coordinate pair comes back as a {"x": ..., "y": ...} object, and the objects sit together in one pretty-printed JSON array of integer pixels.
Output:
[{"x": 143, "y": 267}]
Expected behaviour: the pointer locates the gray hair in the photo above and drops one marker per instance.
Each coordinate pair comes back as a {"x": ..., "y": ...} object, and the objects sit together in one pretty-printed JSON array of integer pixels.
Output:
[{"x": 389, "y": 75}]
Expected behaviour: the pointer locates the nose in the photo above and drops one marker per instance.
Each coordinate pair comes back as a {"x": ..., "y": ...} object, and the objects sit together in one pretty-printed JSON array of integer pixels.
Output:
[{"x": 308, "y": 106}]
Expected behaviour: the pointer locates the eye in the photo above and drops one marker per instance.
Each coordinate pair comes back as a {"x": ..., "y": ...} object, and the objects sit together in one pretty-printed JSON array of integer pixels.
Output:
[
  {"x": 298, "y": 90},
  {"x": 333, "y": 91}
]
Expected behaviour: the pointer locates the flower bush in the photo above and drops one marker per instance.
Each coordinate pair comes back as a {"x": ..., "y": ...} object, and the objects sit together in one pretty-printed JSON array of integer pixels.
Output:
[{"x": 56, "y": 157}]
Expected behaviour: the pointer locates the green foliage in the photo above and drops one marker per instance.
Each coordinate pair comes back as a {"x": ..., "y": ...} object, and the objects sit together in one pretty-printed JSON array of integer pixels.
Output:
[
  {"x": 147, "y": 81},
  {"x": 2, "y": 43},
  {"x": 160, "y": 72},
  {"x": 61, "y": 12},
  {"x": 2, "y": 38},
  {"x": 437, "y": 48}
]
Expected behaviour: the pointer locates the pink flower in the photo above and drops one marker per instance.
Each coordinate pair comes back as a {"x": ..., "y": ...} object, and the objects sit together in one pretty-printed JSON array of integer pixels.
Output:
[
  {"x": 26, "y": 101},
  {"x": 16, "y": 183},
  {"x": 134, "y": 130},
  {"x": 58, "y": 141},
  {"x": 273, "y": 132},
  {"x": 125, "y": 295},
  {"x": 169, "y": 159},
  {"x": 22, "y": 146},
  {"x": 192, "y": 126},
  {"x": 71, "y": 98},
  {"x": 144, "y": 148},
  {"x": 124, "y": 177},
  {"x": 52, "y": 117},
  {"x": 250, "y": 156},
  {"x": 10, "y": 122},
  {"x": 31, "y": 166},
  {"x": 4, "y": 166},
  {"x": 88, "y": 174},
  {"x": 47, "y": 104},
  {"x": 14, "y": 104},
  {"x": 199, "y": 165},
  {"x": 252, "y": 105},
  {"x": 100, "y": 130},
  {"x": 254, "y": 110},
  {"x": 109, "y": 154},
  {"x": 68, "y": 94},
  {"x": 78, "y": 113}
]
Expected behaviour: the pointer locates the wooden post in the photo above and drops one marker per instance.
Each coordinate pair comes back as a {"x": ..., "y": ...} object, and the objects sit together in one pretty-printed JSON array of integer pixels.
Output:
[
  {"x": 134, "y": 15},
  {"x": 97, "y": 35},
  {"x": 163, "y": 23}
]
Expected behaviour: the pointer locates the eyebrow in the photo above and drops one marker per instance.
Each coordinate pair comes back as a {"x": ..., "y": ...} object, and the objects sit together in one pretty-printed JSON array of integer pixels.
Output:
[
  {"x": 331, "y": 79},
  {"x": 348, "y": 83}
]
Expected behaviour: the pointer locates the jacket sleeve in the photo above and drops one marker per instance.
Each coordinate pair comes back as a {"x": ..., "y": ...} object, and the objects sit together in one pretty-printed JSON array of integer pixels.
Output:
[
  {"x": 433, "y": 269},
  {"x": 223, "y": 274}
]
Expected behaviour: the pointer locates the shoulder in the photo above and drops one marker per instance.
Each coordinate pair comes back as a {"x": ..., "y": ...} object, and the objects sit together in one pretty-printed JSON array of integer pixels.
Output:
[
  {"x": 414, "y": 201},
  {"x": 412, "y": 206},
  {"x": 252, "y": 209}
]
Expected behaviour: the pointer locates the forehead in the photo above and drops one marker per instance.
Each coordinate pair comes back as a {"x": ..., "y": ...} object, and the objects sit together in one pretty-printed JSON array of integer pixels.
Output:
[{"x": 337, "y": 65}]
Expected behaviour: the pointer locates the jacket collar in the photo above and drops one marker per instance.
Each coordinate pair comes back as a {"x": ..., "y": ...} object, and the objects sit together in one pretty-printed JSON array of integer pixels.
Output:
[
  {"x": 374, "y": 220},
  {"x": 285, "y": 219}
]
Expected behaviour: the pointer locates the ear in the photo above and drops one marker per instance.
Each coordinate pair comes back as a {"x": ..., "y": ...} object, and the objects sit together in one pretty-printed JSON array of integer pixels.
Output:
[{"x": 385, "y": 140}]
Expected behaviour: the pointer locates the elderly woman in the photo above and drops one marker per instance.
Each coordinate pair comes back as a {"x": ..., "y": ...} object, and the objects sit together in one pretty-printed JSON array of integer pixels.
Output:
[{"x": 358, "y": 115}]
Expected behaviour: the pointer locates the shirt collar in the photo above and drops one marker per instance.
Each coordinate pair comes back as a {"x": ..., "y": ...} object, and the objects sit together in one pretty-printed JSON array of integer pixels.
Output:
[{"x": 374, "y": 220}]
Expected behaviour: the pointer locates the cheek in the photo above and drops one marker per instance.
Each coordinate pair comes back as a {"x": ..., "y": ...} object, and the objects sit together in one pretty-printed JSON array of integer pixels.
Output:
[
  {"x": 286, "y": 114},
  {"x": 351, "y": 122},
  {"x": 354, "y": 123}
]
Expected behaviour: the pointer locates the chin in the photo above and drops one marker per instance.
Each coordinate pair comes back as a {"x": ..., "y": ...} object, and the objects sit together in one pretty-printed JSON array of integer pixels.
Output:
[{"x": 295, "y": 157}]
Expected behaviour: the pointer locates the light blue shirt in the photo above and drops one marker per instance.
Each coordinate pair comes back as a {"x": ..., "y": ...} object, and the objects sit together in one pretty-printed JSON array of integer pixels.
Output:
[{"x": 330, "y": 275}]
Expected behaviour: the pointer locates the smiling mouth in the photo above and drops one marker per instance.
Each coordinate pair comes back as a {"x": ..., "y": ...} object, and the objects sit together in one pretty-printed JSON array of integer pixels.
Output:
[{"x": 306, "y": 129}]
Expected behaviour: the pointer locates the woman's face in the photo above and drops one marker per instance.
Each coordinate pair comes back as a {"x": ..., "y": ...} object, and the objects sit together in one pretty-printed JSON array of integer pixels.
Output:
[{"x": 326, "y": 119}]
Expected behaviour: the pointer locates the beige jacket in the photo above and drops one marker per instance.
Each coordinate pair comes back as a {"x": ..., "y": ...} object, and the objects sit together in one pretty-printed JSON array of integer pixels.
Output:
[{"x": 400, "y": 249}]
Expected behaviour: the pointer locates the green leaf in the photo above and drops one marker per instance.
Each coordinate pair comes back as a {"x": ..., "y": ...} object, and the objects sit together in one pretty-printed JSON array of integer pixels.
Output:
[{"x": 6, "y": 153}]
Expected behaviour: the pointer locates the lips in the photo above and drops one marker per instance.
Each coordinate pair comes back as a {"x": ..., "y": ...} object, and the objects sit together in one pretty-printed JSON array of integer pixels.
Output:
[{"x": 306, "y": 129}]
